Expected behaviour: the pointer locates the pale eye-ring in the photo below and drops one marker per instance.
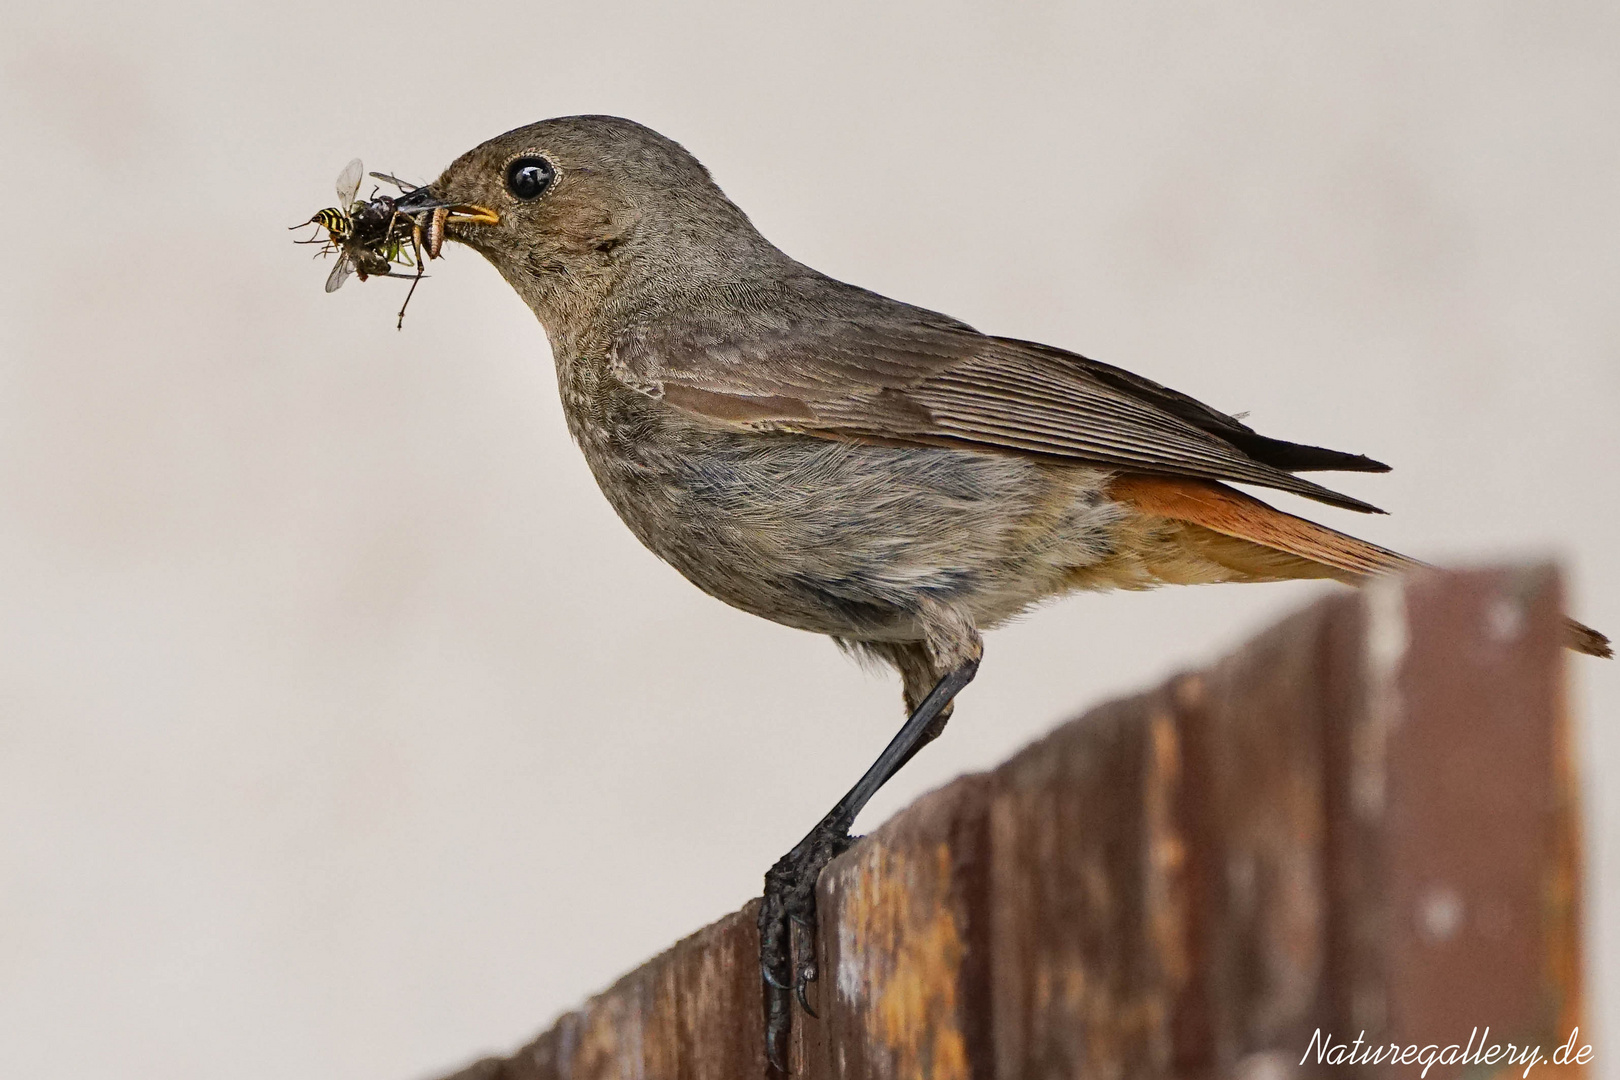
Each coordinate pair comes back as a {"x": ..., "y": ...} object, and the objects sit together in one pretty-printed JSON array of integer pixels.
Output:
[{"x": 529, "y": 177}]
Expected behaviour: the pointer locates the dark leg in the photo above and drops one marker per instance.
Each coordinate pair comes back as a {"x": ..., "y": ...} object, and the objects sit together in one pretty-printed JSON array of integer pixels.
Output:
[
  {"x": 416, "y": 244},
  {"x": 790, "y": 885}
]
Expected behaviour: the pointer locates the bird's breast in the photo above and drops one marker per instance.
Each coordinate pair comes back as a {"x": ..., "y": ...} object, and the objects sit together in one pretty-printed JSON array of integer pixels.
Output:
[{"x": 835, "y": 537}]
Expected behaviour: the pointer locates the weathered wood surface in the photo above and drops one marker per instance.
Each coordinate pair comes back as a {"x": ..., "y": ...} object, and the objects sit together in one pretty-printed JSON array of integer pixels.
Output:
[{"x": 1363, "y": 821}]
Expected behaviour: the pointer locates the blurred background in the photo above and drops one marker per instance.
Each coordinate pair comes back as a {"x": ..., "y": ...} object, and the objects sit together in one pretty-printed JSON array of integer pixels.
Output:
[{"x": 345, "y": 732}]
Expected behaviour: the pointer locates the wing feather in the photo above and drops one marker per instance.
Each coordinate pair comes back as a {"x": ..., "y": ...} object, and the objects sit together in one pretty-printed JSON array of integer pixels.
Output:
[{"x": 828, "y": 360}]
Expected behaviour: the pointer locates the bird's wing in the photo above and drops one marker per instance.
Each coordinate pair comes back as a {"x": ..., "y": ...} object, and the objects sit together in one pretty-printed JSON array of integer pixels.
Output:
[
  {"x": 900, "y": 376},
  {"x": 1289, "y": 456}
]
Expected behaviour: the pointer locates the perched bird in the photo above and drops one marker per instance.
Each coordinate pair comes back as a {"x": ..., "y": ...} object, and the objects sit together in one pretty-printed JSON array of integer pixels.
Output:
[{"x": 844, "y": 463}]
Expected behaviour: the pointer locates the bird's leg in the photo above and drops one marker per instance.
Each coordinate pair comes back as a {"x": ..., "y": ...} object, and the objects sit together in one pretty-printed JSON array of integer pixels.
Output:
[{"x": 790, "y": 885}]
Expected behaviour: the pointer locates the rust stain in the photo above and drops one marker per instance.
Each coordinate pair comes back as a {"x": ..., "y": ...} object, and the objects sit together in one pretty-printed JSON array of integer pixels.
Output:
[
  {"x": 900, "y": 960},
  {"x": 1167, "y": 854}
]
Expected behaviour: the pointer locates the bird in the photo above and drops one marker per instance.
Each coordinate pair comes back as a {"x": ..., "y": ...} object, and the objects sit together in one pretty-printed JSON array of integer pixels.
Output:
[{"x": 834, "y": 460}]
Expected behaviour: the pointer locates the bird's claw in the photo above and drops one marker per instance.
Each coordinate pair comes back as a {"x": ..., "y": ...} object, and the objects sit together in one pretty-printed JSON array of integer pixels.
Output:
[
  {"x": 787, "y": 925},
  {"x": 773, "y": 1052},
  {"x": 803, "y": 928},
  {"x": 799, "y": 992}
]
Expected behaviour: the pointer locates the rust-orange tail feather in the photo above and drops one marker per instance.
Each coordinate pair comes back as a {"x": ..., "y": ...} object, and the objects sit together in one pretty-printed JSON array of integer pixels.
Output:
[{"x": 1315, "y": 550}]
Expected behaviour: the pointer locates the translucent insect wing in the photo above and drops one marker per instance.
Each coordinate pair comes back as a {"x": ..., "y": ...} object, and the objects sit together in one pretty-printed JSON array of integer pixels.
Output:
[
  {"x": 348, "y": 182},
  {"x": 340, "y": 273},
  {"x": 396, "y": 181}
]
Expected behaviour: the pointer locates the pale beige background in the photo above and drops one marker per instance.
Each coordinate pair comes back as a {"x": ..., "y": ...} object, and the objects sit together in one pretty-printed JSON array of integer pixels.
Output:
[{"x": 344, "y": 732}]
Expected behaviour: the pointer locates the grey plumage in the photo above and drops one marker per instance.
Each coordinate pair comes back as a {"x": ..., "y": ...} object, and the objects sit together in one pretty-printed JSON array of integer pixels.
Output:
[
  {"x": 811, "y": 451},
  {"x": 841, "y": 462}
]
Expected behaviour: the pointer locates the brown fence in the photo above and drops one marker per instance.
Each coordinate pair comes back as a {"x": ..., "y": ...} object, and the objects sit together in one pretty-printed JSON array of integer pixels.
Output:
[{"x": 1364, "y": 821}]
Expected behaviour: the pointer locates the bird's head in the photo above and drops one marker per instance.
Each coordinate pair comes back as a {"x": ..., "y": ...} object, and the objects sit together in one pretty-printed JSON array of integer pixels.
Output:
[{"x": 583, "y": 214}]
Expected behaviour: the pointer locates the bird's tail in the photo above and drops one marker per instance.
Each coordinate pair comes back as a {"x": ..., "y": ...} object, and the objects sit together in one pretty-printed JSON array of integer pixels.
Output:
[{"x": 1256, "y": 542}]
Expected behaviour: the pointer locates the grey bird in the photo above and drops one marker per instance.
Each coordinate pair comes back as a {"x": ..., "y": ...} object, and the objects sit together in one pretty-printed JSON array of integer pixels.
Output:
[{"x": 844, "y": 463}]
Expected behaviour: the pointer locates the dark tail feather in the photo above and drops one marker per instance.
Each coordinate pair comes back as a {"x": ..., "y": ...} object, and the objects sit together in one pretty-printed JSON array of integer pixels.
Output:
[
  {"x": 1297, "y": 457},
  {"x": 1584, "y": 639}
]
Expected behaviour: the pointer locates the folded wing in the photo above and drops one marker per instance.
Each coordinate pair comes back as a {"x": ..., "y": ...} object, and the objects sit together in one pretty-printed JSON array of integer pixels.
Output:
[{"x": 869, "y": 369}]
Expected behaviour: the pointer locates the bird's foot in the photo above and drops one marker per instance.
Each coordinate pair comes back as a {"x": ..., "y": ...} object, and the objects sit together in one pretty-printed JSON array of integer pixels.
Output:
[{"x": 787, "y": 926}]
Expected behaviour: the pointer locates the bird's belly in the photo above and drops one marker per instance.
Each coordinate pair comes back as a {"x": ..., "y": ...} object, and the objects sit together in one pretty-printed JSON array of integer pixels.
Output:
[{"x": 849, "y": 539}]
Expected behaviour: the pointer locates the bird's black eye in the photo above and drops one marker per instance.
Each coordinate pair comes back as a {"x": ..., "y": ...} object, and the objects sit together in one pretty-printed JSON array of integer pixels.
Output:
[{"x": 529, "y": 177}]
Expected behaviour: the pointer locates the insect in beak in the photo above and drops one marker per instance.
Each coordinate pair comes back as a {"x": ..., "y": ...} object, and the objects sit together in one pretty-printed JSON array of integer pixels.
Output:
[
  {"x": 432, "y": 215},
  {"x": 434, "y": 240},
  {"x": 423, "y": 199}
]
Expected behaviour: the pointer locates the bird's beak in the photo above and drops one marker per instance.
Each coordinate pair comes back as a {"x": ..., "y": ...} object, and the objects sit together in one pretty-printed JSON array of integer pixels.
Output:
[{"x": 472, "y": 214}]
